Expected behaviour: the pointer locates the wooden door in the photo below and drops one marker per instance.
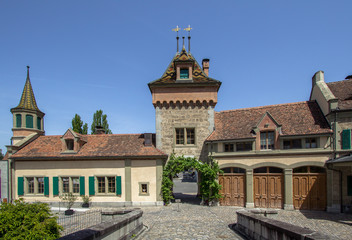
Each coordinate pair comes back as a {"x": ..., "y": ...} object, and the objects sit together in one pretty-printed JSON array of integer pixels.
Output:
[
  {"x": 268, "y": 190},
  {"x": 233, "y": 190},
  {"x": 309, "y": 191}
]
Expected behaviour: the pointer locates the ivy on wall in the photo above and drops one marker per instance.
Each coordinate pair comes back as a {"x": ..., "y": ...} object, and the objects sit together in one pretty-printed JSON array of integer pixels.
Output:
[{"x": 209, "y": 187}]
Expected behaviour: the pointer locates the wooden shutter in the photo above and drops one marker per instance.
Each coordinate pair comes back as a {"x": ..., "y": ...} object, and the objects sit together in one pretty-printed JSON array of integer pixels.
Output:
[
  {"x": 81, "y": 186},
  {"x": 46, "y": 186},
  {"x": 91, "y": 186},
  {"x": 18, "y": 120},
  {"x": 346, "y": 139},
  {"x": 29, "y": 121},
  {"x": 20, "y": 189},
  {"x": 55, "y": 186},
  {"x": 118, "y": 185}
]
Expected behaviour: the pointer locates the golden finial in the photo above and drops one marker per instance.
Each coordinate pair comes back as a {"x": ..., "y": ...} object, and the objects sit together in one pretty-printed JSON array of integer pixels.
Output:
[
  {"x": 176, "y": 29},
  {"x": 188, "y": 29}
]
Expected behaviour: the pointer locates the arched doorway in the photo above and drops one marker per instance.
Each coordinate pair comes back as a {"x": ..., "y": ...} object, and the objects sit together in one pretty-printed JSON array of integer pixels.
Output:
[
  {"x": 233, "y": 186},
  {"x": 309, "y": 188},
  {"x": 268, "y": 187}
]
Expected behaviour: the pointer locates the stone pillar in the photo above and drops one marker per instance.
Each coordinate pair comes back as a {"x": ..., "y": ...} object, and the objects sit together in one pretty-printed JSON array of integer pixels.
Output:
[
  {"x": 158, "y": 128},
  {"x": 249, "y": 188},
  {"x": 288, "y": 199},
  {"x": 128, "y": 181},
  {"x": 159, "y": 178},
  {"x": 333, "y": 191}
]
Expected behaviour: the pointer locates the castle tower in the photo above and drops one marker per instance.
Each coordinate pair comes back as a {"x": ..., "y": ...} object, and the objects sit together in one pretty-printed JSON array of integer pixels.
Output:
[
  {"x": 184, "y": 99},
  {"x": 27, "y": 118}
]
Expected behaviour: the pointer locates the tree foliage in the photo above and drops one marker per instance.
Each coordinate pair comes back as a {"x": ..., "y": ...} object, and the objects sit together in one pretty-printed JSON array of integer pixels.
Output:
[
  {"x": 22, "y": 220},
  {"x": 209, "y": 187},
  {"x": 78, "y": 126},
  {"x": 1, "y": 154},
  {"x": 100, "y": 119}
]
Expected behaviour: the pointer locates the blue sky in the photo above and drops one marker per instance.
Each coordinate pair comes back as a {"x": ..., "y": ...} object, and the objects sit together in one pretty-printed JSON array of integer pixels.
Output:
[{"x": 90, "y": 55}]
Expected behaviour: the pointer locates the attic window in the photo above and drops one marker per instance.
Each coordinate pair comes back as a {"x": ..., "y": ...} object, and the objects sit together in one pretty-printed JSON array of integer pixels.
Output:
[
  {"x": 184, "y": 73},
  {"x": 69, "y": 144}
]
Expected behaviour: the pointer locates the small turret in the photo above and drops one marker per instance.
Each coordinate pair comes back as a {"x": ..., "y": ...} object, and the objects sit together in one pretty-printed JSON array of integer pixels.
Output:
[{"x": 27, "y": 118}]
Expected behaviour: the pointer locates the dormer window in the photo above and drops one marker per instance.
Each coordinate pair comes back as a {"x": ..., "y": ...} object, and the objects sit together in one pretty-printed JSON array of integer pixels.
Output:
[
  {"x": 184, "y": 73},
  {"x": 69, "y": 144},
  {"x": 267, "y": 140}
]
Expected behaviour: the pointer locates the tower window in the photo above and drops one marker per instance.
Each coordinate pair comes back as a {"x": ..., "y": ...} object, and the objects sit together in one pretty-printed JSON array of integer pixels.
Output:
[
  {"x": 39, "y": 124},
  {"x": 29, "y": 121},
  {"x": 184, "y": 73},
  {"x": 185, "y": 136},
  {"x": 18, "y": 120}
]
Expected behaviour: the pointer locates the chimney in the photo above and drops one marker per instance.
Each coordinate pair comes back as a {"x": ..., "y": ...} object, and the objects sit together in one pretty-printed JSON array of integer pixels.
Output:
[
  {"x": 205, "y": 64},
  {"x": 348, "y": 77},
  {"x": 318, "y": 77},
  {"x": 148, "y": 139},
  {"x": 99, "y": 130}
]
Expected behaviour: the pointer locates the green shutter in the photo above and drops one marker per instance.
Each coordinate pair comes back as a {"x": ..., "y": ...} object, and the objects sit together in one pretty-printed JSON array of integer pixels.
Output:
[
  {"x": 20, "y": 189},
  {"x": 118, "y": 185},
  {"x": 346, "y": 139},
  {"x": 46, "y": 186},
  {"x": 39, "y": 126},
  {"x": 18, "y": 120},
  {"x": 29, "y": 121},
  {"x": 81, "y": 186},
  {"x": 349, "y": 185},
  {"x": 55, "y": 186},
  {"x": 91, "y": 186}
]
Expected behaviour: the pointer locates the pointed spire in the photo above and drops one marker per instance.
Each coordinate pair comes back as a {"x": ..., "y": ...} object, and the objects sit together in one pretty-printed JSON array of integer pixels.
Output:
[
  {"x": 189, "y": 37},
  {"x": 28, "y": 100},
  {"x": 177, "y": 38},
  {"x": 183, "y": 43}
]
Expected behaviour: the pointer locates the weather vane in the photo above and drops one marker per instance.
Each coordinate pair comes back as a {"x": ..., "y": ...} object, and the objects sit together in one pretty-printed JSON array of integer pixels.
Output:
[
  {"x": 188, "y": 29},
  {"x": 189, "y": 37},
  {"x": 176, "y": 30}
]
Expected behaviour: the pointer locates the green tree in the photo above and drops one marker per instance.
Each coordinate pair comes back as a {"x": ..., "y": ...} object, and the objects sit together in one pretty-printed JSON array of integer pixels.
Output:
[
  {"x": 78, "y": 126},
  {"x": 1, "y": 154},
  {"x": 22, "y": 220},
  {"x": 100, "y": 119}
]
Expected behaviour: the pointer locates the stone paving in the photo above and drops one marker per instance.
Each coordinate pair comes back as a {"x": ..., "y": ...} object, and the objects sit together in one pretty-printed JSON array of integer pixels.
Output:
[{"x": 192, "y": 221}]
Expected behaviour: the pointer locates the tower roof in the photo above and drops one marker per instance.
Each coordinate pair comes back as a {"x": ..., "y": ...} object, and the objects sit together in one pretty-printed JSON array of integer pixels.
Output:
[
  {"x": 27, "y": 100},
  {"x": 169, "y": 76}
]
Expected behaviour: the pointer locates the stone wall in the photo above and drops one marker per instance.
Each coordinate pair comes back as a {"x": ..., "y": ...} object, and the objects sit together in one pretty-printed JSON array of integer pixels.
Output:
[
  {"x": 3, "y": 185},
  {"x": 200, "y": 117}
]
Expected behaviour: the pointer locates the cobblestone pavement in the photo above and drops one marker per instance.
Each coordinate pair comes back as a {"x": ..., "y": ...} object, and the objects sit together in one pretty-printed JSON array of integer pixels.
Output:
[
  {"x": 188, "y": 221},
  {"x": 338, "y": 226}
]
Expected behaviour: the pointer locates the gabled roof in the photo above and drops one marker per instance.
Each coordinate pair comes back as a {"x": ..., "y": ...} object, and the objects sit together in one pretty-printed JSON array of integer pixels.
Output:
[
  {"x": 343, "y": 91},
  {"x": 302, "y": 118},
  {"x": 169, "y": 76},
  {"x": 27, "y": 100},
  {"x": 97, "y": 146}
]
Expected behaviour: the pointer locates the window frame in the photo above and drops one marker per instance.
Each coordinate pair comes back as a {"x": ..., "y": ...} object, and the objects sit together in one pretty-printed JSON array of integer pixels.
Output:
[
  {"x": 250, "y": 144},
  {"x": 141, "y": 193},
  {"x": 18, "y": 120},
  {"x": 71, "y": 184},
  {"x": 291, "y": 143},
  {"x": 308, "y": 141},
  {"x": 185, "y": 136},
  {"x": 266, "y": 139},
  {"x": 29, "y": 121},
  {"x": 183, "y": 73},
  {"x": 36, "y": 186},
  {"x": 106, "y": 185},
  {"x": 229, "y": 147}
]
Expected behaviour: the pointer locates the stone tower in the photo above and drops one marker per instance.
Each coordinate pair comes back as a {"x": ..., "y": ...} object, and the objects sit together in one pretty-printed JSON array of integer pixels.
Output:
[
  {"x": 27, "y": 118},
  {"x": 184, "y": 99}
]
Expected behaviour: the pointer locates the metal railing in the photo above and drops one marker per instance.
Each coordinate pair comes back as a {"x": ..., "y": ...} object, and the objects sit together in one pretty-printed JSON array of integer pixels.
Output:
[{"x": 78, "y": 221}]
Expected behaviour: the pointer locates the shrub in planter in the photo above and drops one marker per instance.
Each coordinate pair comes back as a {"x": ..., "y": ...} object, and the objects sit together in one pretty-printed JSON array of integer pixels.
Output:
[
  {"x": 86, "y": 200},
  {"x": 69, "y": 199}
]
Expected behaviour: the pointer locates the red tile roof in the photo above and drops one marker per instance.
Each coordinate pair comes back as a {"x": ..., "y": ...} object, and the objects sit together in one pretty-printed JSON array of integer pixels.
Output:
[
  {"x": 343, "y": 91},
  {"x": 96, "y": 146},
  {"x": 300, "y": 118}
]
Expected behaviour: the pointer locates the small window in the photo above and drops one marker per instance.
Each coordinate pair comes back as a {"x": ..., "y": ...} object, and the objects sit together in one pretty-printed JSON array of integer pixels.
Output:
[
  {"x": 226, "y": 170},
  {"x": 65, "y": 185},
  {"x": 185, "y": 136},
  {"x": 69, "y": 144},
  {"x": 267, "y": 140},
  {"x": 34, "y": 185},
  {"x": 40, "y": 185},
  {"x": 69, "y": 185},
  {"x": 243, "y": 146},
  {"x": 228, "y": 147},
  {"x": 143, "y": 189},
  {"x": 29, "y": 121},
  {"x": 30, "y": 182},
  {"x": 292, "y": 144},
  {"x": 300, "y": 170},
  {"x": 18, "y": 120},
  {"x": 311, "y": 143},
  {"x": 184, "y": 73}
]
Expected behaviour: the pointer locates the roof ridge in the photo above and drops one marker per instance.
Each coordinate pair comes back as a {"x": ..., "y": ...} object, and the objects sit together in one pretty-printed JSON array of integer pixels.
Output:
[
  {"x": 259, "y": 107},
  {"x": 344, "y": 80}
]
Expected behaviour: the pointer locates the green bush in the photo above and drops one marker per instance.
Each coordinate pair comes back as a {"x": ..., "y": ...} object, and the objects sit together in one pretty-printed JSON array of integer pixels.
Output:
[{"x": 22, "y": 220}]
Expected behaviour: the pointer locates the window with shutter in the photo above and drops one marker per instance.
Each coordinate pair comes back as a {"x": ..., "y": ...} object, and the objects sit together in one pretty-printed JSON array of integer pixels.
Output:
[
  {"x": 81, "y": 186},
  {"x": 29, "y": 121},
  {"x": 20, "y": 190},
  {"x": 91, "y": 186},
  {"x": 55, "y": 186},
  {"x": 346, "y": 139}
]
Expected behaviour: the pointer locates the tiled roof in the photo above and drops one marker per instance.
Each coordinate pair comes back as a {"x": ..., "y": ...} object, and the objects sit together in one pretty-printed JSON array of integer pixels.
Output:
[
  {"x": 295, "y": 118},
  {"x": 169, "y": 76},
  {"x": 28, "y": 100},
  {"x": 343, "y": 91},
  {"x": 96, "y": 146}
]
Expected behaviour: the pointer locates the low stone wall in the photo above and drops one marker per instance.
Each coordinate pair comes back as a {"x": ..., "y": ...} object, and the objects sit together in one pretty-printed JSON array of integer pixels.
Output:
[
  {"x": 115, "y": 225},
  {"x": 256, "y": 226}
]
